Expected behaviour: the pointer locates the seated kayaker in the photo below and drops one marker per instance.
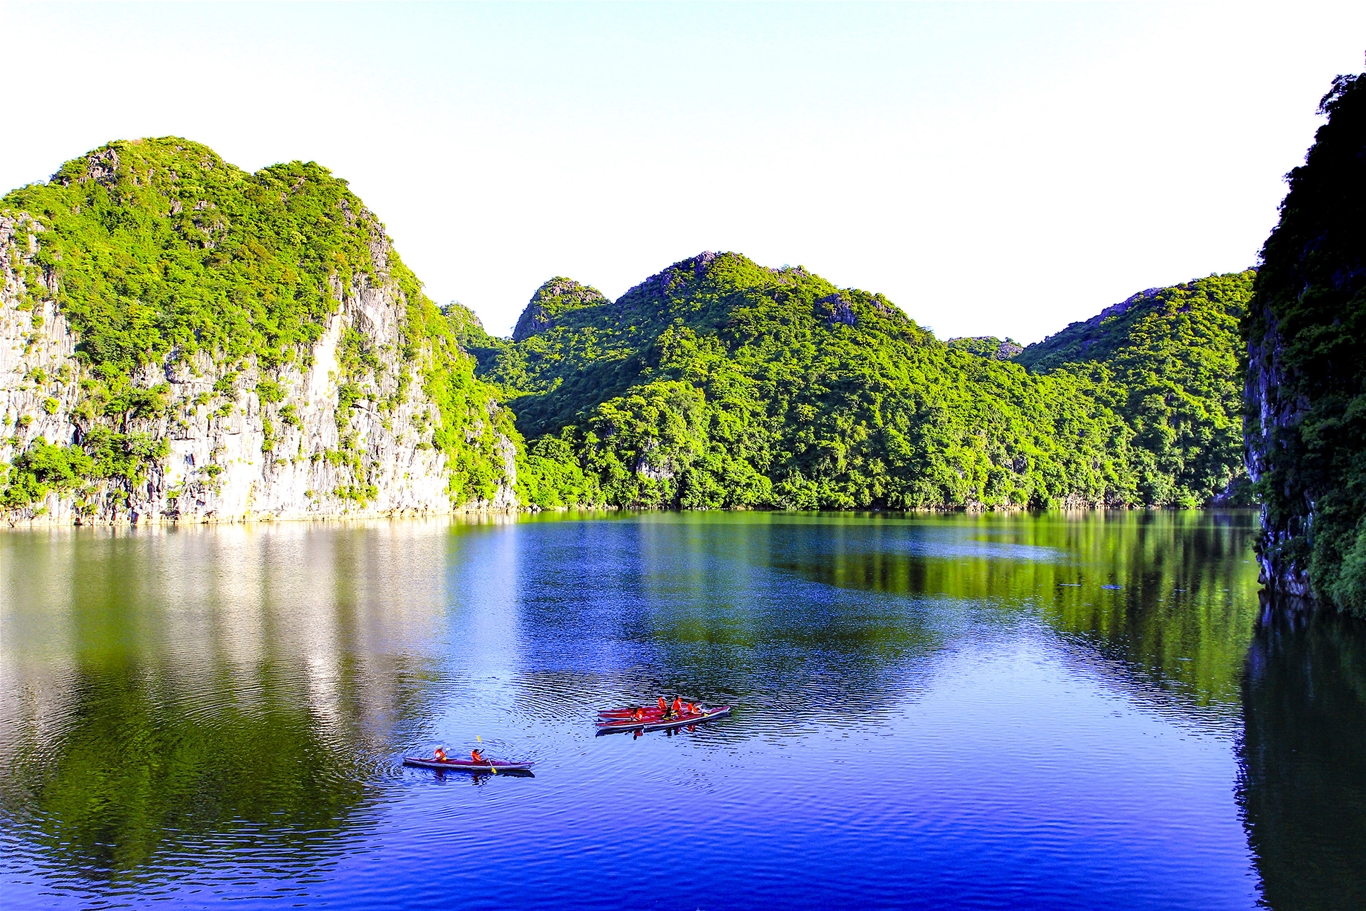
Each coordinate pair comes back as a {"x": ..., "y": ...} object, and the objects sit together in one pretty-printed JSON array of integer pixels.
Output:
[
  {"x": 678, "y": 706},
  {"x": 692, "y": 709},
  {"x": 663, "y": 706},
  {"x": 638, "y": 714},
  {"x": 476, "y": 756},
  {"x": 440, "y": 754}
]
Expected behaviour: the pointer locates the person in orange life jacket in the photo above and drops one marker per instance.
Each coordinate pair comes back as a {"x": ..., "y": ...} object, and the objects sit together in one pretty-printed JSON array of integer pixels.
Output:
[
  {"x": 663, "y": 706},
  {"x": 441, "y": 754},
  {"x": 638, "y": 714},
  {"x": 678, "y": 706},
  {"x": 476, "y": 756},
  {"x": 692, "y": 708}
]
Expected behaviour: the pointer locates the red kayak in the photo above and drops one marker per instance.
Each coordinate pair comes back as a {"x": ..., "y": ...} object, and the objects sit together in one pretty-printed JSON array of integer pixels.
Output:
[
  {"x": 649, "y": 711},
  {"x": 660, "y": 723},
  {"x": 465, "y": 765}
]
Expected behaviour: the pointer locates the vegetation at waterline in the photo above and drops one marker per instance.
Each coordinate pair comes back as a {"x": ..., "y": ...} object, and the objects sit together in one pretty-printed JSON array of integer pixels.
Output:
[
  {"x": 1306, "y": 330},
  {"x": 157, "y": 251},
  {"x": 721, "y": 383}
]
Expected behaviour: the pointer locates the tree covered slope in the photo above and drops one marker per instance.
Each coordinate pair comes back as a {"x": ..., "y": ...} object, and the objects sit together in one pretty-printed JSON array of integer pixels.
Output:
[
  {"x": 721, "y": 383},
  {"x": 198, "y": 297},
  {"x": 1306, "y": 380},
  {"x": 1168, "y": 360}
]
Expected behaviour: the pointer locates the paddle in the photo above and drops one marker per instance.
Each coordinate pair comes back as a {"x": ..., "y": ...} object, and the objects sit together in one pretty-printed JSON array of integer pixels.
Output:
[{"x": 491, "y": 765}]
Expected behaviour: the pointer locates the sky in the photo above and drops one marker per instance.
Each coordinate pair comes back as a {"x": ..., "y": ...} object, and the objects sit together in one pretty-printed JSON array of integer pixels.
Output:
[{"x": 992, "y": 169}]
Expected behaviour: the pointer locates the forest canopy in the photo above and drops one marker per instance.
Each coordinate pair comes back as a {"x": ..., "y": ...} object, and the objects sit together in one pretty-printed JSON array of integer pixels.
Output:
[{"x": 721, "y": 383}]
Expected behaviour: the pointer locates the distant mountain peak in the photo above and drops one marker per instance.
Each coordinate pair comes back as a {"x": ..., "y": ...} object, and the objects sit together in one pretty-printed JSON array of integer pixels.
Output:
[
  {"x": 556, "y": 296},
  {"x": 681, "y": 274}
]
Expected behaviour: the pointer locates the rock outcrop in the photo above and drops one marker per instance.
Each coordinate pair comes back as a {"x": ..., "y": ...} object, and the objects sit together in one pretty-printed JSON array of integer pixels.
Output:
[{"x": 1284, "y": 564}]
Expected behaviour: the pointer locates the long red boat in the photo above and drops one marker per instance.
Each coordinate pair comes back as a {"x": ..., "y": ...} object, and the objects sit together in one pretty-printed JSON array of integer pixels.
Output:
[
  {"x": 649, "y": 710},
  {"x": 658, "y": 722}
]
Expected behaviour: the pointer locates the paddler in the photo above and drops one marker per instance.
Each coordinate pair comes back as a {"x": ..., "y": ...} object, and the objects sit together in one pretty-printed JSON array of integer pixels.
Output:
[
  {"x": 638, "y": 714},
  {"x": 678, "y": 706},
  {"x": 477, "y": 757},
  {"x": 440, "y": 754},
  {"x": 663, "y": 706}
]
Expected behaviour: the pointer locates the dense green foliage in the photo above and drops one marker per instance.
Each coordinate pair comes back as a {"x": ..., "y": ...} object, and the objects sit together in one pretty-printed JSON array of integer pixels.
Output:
[
  {"x": 160, "y": 244},
  {"x": 43, "y": 467},
  {"x": 720, "y": 383},
  {"x": 988, "y": 346},
  {"x": 158, "y": 250},
  {"x": 1306, "y": 330},
  {"x": 1168, "y": 361}
]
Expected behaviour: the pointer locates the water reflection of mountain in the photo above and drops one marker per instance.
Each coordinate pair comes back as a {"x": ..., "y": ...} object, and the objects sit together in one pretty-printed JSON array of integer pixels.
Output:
[
  {"x": 1303, "y": 783},
  {"x": 1165, "y": 598},
  {"x": 169, "y": 695},
  {"x": 615, "y": 611}
]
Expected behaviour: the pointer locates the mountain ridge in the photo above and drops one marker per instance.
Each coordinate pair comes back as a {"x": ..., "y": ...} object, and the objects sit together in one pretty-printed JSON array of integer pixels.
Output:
[
  {"x": 593, "y": 351},
  {"x": 182, "y": 339}
]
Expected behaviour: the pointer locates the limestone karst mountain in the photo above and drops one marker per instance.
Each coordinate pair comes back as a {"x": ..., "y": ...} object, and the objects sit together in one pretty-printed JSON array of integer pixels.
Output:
[{"x": 179, "y": 338}]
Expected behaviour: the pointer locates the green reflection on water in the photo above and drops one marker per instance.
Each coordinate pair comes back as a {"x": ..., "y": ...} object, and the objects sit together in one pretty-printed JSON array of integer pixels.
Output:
[
  {"x": 1172, "y": 595},
  {"x": 138, "y": 765},
  {"x": 1303, "y": 754},
  {"x": 165, "y": 687}
]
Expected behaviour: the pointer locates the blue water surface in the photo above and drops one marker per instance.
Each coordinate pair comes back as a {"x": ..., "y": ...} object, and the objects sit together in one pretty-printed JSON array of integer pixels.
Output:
[{"x": 949, "y": 712}]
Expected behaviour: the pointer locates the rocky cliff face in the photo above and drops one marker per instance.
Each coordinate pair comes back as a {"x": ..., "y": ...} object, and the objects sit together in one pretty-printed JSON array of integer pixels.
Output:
[
  {"x": 1270, "y": 415},
  {"x": 347, "y": 429},
  {"x": 1306, "y": 380}
]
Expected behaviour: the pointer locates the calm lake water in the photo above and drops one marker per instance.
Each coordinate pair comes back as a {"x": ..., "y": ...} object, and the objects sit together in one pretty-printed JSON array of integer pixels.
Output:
[{"x": 949, "y": 712}]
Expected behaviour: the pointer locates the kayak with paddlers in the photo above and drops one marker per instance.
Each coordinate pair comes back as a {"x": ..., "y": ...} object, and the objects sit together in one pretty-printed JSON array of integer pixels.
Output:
[
  {"x": 661, "y": 721},
  {"x": 663, "y": 709},
  {"x": 475, "y": 763},
  {"x": 663, "y": 715}
]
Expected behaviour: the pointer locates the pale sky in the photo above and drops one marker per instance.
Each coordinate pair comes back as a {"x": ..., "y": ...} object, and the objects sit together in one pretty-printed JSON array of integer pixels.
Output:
[{"x": 993, "y": 169}]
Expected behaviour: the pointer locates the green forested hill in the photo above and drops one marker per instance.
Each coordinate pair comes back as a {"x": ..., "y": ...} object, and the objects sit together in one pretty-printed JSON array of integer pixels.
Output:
[
  {"x": 1306, "y": 383},
  {"x": 722, "y": 383},
  {"x": 719, "y": 382},
  {"x": 1169, "y": 361},
  {"x": 158, "y": 254}
]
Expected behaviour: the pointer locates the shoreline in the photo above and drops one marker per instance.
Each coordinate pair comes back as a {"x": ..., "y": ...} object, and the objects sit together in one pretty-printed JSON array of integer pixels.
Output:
[{"x": 491, "y": 513}]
